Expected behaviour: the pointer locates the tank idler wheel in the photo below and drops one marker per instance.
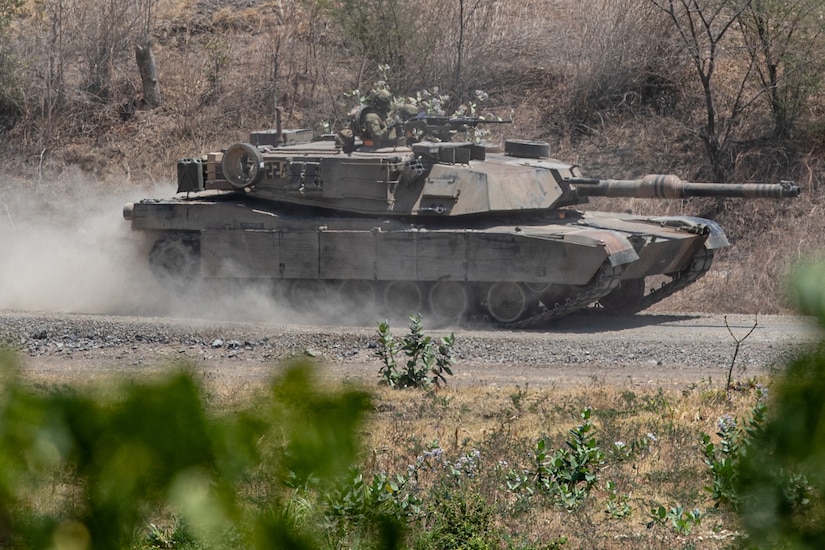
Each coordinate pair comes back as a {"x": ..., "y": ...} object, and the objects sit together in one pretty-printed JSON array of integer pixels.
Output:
[
  {"x": 448, "y": 300},
  {"x": 175, "y": 258},
  {"x": 308, "y": 295},
  {"x": 507, "y": 302},
  {"x": 242, "y": 165},
  {"x": 625, "y": 298},
  {"x": 402, "y": 299},
  {"x": 358, "y": 294}
]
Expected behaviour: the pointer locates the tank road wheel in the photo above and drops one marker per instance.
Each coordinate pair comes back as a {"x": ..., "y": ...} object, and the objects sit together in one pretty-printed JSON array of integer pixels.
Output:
[
  {"x": 448, "y": 300},
  {"x": 358, "y": 294},
  {"x": 555, "y": 295},
  {"x": 402, "y": 299},
  {"x": 308, "y": 295},
  {"x": 507, "y": 301},
  {"x": 537, "y": 288},
  {"x": 175, "y": 259},
  {"x": 625, "y": 298}
]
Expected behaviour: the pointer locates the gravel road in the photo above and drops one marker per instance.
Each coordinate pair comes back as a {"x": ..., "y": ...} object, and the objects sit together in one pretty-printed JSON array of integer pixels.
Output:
[{"x": 654, "y": 350}]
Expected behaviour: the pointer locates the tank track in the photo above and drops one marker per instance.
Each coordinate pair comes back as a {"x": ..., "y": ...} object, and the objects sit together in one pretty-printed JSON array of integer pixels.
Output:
[
  {"x": 699, "y": 265},
  {"x": 606, "y": 280}
]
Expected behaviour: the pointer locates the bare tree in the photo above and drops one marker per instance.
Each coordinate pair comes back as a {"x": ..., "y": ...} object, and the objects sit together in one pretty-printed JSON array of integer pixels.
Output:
[
  {"x": 622, "y": 56},
  {"x": 702, "y": 26},
  {"x": 466, "y": 12},
  {"x": 9, "y": 90},
  {"x": 785, "y": 42},
  {"x": 145, "y": 58},
  {"x": 108, "y": 27},
  {"x": 45, "y": 41},
  {"x": 380, "y": 28},
  {"x": 55, "y": 92}
]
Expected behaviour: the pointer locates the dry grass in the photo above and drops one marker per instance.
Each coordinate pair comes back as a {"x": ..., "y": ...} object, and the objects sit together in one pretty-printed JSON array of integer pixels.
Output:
[
  {"x": 661, "y": 464},
  {"x": 504, "y": 425}
]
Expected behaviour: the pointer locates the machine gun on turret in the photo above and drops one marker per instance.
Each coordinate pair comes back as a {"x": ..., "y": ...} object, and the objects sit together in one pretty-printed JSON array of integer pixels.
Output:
[{"x": 424, "y": 127}]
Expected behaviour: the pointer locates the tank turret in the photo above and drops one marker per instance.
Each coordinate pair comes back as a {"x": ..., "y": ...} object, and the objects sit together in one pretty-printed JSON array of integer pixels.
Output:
[
  {"x": 443, "y": 179},
  {"x": 451, "y": 229}
]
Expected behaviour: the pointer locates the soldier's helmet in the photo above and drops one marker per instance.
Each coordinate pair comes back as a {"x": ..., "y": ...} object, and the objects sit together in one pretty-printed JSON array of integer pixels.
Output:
[
  {"x": 408, "y": 111},
  {"x": 380, "y": 99}
]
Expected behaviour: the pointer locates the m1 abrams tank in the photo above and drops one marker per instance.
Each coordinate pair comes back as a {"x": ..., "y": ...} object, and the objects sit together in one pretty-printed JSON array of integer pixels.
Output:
[{"x": 448, "y": 229}]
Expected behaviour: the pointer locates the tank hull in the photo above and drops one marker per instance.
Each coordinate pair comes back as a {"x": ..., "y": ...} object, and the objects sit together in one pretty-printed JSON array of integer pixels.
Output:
[{"x": 526, "y": 274}]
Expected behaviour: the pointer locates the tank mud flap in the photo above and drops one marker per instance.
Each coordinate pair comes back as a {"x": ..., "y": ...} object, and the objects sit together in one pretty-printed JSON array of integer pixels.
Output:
[
  {"x": 700, "y": 226},
  {"x": 619, "y": 249}
]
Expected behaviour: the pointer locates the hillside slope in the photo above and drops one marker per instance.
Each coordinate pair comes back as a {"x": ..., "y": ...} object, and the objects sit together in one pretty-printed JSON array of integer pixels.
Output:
[{"x": 224, "y": 66}]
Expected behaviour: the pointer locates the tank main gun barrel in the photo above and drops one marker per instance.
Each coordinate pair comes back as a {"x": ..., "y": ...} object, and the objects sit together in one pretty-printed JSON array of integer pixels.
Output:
[{"x": 658, "y": 186}]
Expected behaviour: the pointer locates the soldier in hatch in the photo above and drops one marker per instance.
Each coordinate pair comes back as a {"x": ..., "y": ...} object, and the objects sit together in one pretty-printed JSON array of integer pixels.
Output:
[{"x": 371, "y": 123}]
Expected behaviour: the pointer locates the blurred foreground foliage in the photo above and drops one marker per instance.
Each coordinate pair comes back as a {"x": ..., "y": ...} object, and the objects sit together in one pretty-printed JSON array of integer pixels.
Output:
[
  {"x": 789, "y": 454},
  {"x": 78, "y": 471}
]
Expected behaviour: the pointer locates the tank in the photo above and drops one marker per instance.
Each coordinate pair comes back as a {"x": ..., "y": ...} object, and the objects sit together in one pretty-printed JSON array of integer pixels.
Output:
[{"x": 452, "y": 230}]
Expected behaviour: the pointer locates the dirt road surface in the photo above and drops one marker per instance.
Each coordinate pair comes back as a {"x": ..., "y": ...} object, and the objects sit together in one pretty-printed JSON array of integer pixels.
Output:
[{"x": 646, "y": 350}]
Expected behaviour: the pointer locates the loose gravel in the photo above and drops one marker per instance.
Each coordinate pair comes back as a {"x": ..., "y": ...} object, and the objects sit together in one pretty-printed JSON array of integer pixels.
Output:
[{"x": 647, "y": 349}]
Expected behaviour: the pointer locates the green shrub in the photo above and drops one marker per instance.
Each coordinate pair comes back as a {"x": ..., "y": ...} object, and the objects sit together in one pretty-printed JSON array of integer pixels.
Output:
[
  {"x": 566, "y": 475},
  {"x": 426, "y": 361},
  {"x": 384, "y": 500},
  {"x": 681, "y": 519},
  {"x": 462, "y": 522},
  {"x": 724, "y": 459},
  {"x": 781, "y": 481}
]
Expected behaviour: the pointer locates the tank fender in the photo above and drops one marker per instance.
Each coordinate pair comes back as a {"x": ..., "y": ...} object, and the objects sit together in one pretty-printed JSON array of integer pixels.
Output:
[
  {"x": 619, "y": 249},
  {"x": 716, "y": 235}
]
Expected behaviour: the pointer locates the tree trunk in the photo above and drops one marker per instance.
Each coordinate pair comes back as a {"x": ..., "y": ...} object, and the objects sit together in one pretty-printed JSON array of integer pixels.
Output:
[{"x": 148, "y": 73}]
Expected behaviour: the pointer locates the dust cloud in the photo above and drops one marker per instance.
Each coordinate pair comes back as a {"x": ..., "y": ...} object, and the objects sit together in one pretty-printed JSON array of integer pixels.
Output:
[{"x": 65, "y": 248}]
